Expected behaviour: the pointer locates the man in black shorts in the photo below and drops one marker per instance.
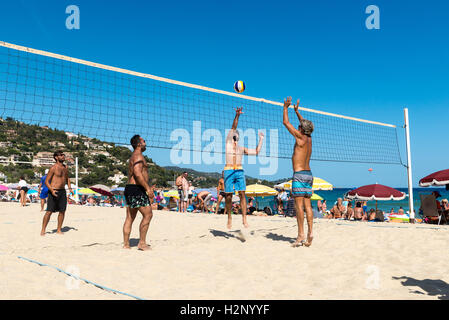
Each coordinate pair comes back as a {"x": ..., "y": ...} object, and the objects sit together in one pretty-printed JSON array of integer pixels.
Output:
[
  {"x": 57, "y": 178},
  {"x": 138, "y": 194}
]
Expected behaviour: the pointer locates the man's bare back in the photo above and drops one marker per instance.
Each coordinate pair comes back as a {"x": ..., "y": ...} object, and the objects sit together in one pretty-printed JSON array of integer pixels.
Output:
[{"x": 302, "y": 152}]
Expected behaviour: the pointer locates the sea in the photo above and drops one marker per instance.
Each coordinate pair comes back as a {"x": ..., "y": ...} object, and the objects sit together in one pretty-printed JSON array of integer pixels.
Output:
[{"x": 333, "y": 195}]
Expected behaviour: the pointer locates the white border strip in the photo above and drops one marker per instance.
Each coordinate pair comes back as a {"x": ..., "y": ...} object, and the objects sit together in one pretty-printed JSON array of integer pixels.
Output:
[
  {"x": 434, "y": 182},
  {"x": 180, "y": 83}
]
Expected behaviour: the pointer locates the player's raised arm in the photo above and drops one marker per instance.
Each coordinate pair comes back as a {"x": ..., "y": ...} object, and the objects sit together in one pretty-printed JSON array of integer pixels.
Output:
[
  {"x": 295, "y": 107},
  {"x": 238, "y": 112},
  {"x": 255, "y": 152},
  {"x": 286, "y": 121},
  {"x": 232, "y": 133}
]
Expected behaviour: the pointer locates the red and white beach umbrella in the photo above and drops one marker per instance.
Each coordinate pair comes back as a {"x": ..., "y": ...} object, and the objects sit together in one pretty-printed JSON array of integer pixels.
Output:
[
  {"x": 102, "y": 189},
  {"x": 439, "y": 178},
  {"x": 376, "y": 192}
]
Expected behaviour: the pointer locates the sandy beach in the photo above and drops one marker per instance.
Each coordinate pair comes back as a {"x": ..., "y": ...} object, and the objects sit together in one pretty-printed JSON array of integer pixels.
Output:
[{"x": 193, "y": 256}]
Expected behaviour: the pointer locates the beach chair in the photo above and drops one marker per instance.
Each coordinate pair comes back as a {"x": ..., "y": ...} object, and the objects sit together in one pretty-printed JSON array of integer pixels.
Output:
[{"x": 429, "y": 207}]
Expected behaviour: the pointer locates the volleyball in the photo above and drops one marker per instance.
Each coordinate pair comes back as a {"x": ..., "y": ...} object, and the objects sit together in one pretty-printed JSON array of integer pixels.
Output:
[{"x": 239, "y": 86}]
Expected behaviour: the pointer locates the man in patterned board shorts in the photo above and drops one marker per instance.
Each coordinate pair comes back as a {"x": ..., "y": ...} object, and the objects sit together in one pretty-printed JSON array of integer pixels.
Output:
[
  {"x": 138, "y": 194},
  {"x": 302, "y": 177}
]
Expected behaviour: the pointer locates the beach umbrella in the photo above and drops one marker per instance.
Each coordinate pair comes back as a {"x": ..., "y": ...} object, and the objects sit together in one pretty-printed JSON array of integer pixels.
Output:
[
  {"x": 316, "y": 197},
  {"x": 102, "y": 189},
  {"x": 172, "y": 193},
  {"x": 439, "y": 178},
  {"x": 3, "y": 188},
  {"x": 87, "y": 191},
  {"x": 318, "y": 184},
  {"x": 259, "y": 190},
  {"x": 321, "y": 184},
  {"x": 287, "y": 185},
  {"x": 377, "y": 192}
]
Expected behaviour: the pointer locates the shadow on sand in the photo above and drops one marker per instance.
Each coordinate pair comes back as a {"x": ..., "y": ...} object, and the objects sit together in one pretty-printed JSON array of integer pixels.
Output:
[
  {"x": 278, "y": 237},
  {"x": 437, "y": 288},
  {"x": 227, "y": 235},
  {"x": 64, "y": 229}
]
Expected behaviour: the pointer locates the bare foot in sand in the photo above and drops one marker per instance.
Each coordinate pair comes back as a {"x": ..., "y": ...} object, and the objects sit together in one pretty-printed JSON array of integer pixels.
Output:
[
  {"x": 299, "y": 242},
  {"x": 229, "y": 225},
  {"x": 245, "y": 224},
  {"x": 309, "y": 240},
  {"x": 143, "y": 247},
  {"x": 42, "y": 233},
  {"x": 60, "y": 233},
  {"x": 126, "y": 246}
]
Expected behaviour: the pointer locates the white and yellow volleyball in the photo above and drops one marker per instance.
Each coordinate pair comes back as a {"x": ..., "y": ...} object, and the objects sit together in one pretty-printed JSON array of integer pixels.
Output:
[{"x": 239, "y": 86}]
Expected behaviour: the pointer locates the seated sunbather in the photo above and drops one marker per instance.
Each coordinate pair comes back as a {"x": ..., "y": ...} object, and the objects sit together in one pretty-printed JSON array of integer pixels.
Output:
[
  {"x": 358, "y": 211},
  {"x": 350, "y": 212},
  {"x": 337, "y": 210}
]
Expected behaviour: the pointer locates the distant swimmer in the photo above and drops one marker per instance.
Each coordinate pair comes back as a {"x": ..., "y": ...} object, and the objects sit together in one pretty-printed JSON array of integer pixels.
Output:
[
  {"x": 57, "y": 178},
  {"x": 302, "y": 177},
  {"x": 234, "y": 176},
  {"x": 138, "y": 194}
]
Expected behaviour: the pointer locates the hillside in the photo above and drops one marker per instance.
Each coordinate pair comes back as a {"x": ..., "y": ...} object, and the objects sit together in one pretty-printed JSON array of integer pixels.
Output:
[{"x": 99, "y": 161}]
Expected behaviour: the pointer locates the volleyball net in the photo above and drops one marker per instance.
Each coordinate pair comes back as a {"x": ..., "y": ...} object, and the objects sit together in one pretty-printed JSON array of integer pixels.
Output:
[{"x": 112, "y": 104}]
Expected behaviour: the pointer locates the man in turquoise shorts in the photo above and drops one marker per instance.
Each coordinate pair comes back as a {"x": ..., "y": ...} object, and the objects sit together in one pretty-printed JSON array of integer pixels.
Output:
[
  {"x": 302, "y": 177},
  {"x": 234, "y": 176}
]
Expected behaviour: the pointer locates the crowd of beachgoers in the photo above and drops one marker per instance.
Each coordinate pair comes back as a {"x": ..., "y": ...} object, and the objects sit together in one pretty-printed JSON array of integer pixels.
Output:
[{"x": 206, "y": 201}]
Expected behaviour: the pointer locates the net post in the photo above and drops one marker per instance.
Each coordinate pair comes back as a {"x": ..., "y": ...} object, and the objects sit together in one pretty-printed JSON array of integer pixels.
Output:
[
  {"x": 76, "y": 180},
  {"x": 409, "y": 166}
]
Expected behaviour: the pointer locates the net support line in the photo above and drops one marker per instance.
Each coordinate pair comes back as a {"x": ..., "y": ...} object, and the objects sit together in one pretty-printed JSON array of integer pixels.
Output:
[{"x": 175, "y": 82}]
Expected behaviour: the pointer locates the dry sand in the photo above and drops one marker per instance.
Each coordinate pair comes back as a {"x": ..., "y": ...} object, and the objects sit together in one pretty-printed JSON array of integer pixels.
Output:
[{"x": 193, "y": 256}]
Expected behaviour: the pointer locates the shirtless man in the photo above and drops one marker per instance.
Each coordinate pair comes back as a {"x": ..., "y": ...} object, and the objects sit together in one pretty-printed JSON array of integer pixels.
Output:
[
  {"x": 57, "y": 178},
  {"x": 138, "y": 194},
  {"x": 183, "y": 191},
  {"x": 202, "y": 199},
  {"x": 234, "y": 177},
  {"x": 220, "y": 192},
  {"x": 302, "y": 177}
]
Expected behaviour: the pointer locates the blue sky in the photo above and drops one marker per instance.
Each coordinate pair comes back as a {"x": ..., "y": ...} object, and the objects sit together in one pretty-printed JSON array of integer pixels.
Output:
[{"x": 319, "y": 51}]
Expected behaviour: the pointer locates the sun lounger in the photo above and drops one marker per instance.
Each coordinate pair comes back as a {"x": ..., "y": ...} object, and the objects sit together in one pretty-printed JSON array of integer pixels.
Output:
[{"x": 429, "y": 207}]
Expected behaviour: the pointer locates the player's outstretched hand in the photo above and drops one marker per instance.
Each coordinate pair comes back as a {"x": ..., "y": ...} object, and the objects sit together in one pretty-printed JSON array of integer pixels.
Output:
[
  {"x": 296, "y": 106},
  {"x": 287, "y": 102},
  {"x": 239, "y": 110}
]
